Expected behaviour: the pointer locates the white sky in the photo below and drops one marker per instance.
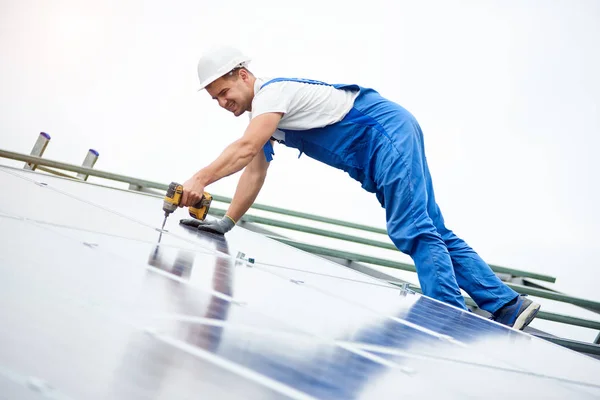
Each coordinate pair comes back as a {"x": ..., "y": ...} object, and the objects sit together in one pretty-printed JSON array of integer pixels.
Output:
[{"x": 507, "y": 93}]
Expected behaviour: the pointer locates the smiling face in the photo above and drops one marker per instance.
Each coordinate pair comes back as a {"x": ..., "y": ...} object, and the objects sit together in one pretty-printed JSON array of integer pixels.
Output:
[{"x": 234, "y": 92}]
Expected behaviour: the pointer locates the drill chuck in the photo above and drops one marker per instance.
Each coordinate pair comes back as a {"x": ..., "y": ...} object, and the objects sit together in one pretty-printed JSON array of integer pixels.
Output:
[{"x": 173, "y": 198}]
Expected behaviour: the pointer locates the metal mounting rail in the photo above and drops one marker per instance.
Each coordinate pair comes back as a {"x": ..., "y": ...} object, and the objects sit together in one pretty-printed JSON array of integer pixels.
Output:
[
  {"x": 370, "y": 242},
  {"x": 162, "y": 186},
  {"x": 594, "y": 305},
  {"x": 581, "y": 347},
  {"x": 249, "y": 218}
]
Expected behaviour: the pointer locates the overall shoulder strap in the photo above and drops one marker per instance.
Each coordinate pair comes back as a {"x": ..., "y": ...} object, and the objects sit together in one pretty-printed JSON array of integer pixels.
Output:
[{"x": 311, "y": 81}]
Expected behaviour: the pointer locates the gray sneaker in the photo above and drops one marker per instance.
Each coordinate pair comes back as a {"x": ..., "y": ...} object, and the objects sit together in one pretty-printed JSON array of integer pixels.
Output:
[{"x": 518, "y": 313}]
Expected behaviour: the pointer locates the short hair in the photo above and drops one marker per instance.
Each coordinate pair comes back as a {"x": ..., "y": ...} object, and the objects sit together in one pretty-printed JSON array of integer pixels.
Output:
[{"x": 235, "y": 73}]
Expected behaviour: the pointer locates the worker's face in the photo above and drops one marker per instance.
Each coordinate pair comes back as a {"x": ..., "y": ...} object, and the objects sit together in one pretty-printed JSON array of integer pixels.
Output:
[{"x": 233, "y": 94}]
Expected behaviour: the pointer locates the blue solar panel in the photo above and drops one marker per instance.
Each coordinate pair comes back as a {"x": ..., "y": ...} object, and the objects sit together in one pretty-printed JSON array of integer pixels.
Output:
[{"x": 94, "y": 308}]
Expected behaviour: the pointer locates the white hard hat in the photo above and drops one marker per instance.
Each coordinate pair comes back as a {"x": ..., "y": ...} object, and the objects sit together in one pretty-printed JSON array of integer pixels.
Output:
[{"x": 219, "y": 61}]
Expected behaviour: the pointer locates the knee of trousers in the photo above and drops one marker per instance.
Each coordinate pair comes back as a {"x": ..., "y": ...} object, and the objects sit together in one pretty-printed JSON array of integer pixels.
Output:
[{"x": 408, "y": 236}]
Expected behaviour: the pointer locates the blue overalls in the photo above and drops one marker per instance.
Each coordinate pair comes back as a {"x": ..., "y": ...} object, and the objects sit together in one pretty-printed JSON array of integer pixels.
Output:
[{"x": 380, "y": 144}]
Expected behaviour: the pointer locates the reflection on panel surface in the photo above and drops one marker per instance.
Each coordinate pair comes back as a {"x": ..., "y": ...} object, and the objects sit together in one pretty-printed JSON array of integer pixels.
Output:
[{"x": 97, "y": 308}]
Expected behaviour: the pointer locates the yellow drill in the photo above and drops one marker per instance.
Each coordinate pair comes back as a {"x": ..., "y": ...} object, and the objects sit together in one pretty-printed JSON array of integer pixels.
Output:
[{"x": 173, "y": 198}]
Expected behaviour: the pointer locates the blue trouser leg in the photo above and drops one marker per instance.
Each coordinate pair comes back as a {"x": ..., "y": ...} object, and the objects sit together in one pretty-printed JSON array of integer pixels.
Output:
[
  {"x": 444, "y": 262},
  {"x": 404, "y": 188},
  {"x": 414, "y": 233},
  {"x": 472, "y": 273}
]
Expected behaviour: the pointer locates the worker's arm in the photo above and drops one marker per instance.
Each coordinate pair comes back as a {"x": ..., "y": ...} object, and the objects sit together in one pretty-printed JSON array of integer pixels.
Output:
[
  {"x": 248, "y": 187},
  {"x": 234, "y": 158}
]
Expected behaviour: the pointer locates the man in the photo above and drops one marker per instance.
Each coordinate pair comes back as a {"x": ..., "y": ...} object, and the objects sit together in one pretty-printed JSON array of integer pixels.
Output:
[{"x": 374, "y": 140}]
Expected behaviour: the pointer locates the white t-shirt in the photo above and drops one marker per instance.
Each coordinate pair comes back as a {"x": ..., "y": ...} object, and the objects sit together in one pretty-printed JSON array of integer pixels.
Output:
[{"x": 304, "y": 105}]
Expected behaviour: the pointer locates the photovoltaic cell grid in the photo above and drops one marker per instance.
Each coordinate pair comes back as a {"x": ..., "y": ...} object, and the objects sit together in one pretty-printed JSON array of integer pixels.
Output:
[{"x": 94, "y": 308}]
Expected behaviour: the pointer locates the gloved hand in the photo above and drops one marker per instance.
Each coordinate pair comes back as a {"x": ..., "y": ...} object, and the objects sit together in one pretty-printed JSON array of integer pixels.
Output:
[{"x": 220, "y": 226}]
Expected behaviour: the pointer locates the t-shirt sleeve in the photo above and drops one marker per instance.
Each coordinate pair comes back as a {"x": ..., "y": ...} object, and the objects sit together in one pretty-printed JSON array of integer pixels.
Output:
[{"x": 275, "y": 97}]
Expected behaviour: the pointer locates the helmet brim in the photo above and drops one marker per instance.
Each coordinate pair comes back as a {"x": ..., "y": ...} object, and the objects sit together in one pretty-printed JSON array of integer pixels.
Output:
[{"x": 238, "y": 64}]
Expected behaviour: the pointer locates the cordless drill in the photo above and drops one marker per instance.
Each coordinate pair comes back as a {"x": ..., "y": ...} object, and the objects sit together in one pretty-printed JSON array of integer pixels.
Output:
[{"x": 173, "y": 199}]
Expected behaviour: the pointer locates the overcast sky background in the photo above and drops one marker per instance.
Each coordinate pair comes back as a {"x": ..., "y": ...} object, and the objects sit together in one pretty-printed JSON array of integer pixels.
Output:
[{"x": 507, "y": 94}]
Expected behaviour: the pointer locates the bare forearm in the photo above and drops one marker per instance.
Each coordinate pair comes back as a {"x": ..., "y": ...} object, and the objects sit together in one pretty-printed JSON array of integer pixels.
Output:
[
  {"x": 233, "y": 159},
  {"x": 247, "y": 189},
  {"x": 241, "y": 152}
]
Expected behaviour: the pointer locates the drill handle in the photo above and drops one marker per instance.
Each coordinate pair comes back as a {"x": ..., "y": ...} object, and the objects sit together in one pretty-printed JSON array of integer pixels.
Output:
[{"x": 200, "y": 209}]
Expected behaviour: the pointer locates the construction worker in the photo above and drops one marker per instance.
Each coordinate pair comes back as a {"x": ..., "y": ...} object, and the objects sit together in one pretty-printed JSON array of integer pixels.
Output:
[{"x": 377, "y": 142}]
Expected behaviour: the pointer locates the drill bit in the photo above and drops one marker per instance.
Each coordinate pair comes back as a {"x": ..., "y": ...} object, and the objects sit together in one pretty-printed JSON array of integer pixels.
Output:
[{"x": 162, "y": 228}]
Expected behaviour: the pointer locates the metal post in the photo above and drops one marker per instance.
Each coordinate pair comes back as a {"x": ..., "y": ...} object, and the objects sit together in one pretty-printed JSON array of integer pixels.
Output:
[
  {"x": 38, "y": 149},
  {"x": 88, "y": 162}
]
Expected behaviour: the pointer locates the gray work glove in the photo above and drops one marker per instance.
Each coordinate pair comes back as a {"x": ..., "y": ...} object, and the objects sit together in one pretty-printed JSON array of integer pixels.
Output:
[{"x": 220, "y": 226}]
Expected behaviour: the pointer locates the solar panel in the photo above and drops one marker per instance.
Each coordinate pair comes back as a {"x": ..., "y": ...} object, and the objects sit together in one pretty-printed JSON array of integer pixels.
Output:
[{"x": 95, "y": 308}]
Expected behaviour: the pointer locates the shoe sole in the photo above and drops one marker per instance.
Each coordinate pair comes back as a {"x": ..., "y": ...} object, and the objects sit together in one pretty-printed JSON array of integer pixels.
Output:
[{"x": 526, "y": 316}]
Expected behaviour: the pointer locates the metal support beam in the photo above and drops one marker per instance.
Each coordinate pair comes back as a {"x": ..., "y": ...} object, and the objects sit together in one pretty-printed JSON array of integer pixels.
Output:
[
  {"x": 565, "y": 319},
  {"x": 163, "y": 187},
  {"x": 370, "y": 242},
  {"x": 38, "y": 149},
  {"x": 581, "y": 347},
  {"x": 156, "y": 185},
  {"x": 324, "y": 251},
  {"x": 407, "y": 267},
  {"x": 82, "y": 170},
  {"x": 546, "y": 294},
  {"x": 529, "y": 283},
  {"x": 88, "y": 162}
]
